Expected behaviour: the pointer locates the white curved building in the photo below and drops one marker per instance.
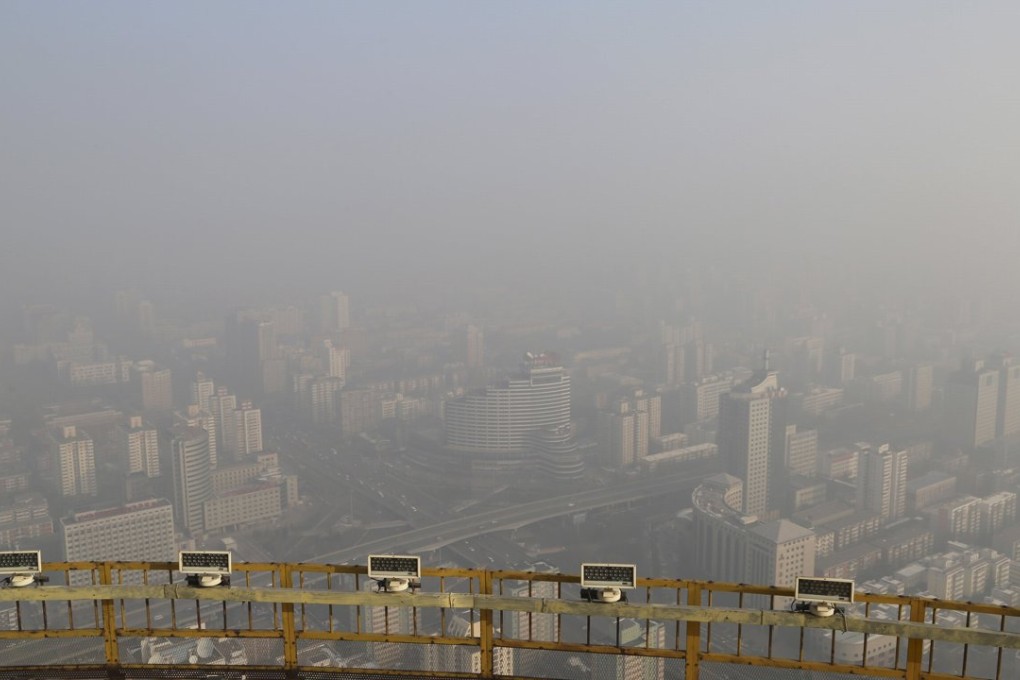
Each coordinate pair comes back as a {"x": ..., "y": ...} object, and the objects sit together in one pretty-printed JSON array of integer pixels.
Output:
[
  {"x": 191, "y": 476},
  {"x": 502, "y": 418}
]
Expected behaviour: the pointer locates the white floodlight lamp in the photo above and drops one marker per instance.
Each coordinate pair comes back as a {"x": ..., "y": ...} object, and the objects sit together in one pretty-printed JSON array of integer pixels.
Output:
[
  {"x": 822, "y": 595},
  {"x": 205, "y": 568},
  {"x": 606, "y": 582},
  {"x": 22, "y": 567},
  {"x": 395, "y": 573}
]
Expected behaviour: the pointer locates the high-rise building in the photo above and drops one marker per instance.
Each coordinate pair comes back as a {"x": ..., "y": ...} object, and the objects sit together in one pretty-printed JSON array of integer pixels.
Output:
[
  {"x": 500, "y": 418},
  {"x": 778, "y": 552},
  {"x": 920, "y": 386},
  {"x": 802, "y": 451},
  {"x": 142, "y": 448},
  {"x": 335, "y": 360},
  {"x": 192, "y": 479},
  {"x": 247, "y": 428},
  {"x": 840, "y": 367},
  {"x": 882, "y": 481},
  {"x": 618, "y": 438},
  {"x": 627, "y": 431},
  {"x": 318, "y": 398},
  {"x": 222, "y": 405},
  {"x": 700, "y": 399},
  {"x": 558, "y": 454},
  {"x": 474, "y": 347},
  {"x": 1007, "y": 420},
  {"x": 972, "y": 398},
  {"x": 334, "y": 313},
  {"x": 143, "y": 530},
  {"x": 359, "y": 411},
  {"x": 252, "y": 352},
  {"x": 201, "y": 390},
  {"x": 155, "y": 386},
  {"x": 997, "y": 512},
  {"x": 752, "y": 437},
  {"x": 74, "y": 462},
  {"x": 194, "y": 416},
  {"x": 734, "y": 546}
]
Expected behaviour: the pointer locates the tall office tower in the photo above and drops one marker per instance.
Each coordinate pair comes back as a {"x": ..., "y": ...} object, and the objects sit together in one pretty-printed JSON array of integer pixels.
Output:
[
  {"x": 201, "y": 390},
  {"x": 671, "y": 354},
  {"x": 734, "y": 546},
  {"x": 920, "y": 386},
  {"x": 139, "y": 531},
  {"x": 778, "y": 552},
  {"x": 802, "y": 451},
  {"x": 882, "y": 481},
  {"x": 671, "y": 363},
  {"x": 701, "y": 398},
  {"x": 557, "y": 453},
  {"x": 156, "y": 387},
  {"x": 334, "y": 313},
  {"x": 840, "y": 367},
  {"x": 617, "y": 436},
  {"x": 474, "y": 347},
  {"x": 198, "y": 417},
  {"x": 192, "y": 478},
  {"x": 806, "y": 359},
  {"x": 74, "y": 462},
  {"x": 335, "y": 360},
  {"x": 251, "y": 349},
  {"x": 1008, "y": 417},
  {"x": 972, "y": 397},
  {"x": 652, "y": 405},
  {"x": 142, "y": 448},
  {"x": 499, "y": 419},
  {"x": 697, "y": 353},
  {"x": 626, "y": 432},
  {"x": 752, "y": 437},
  {"x": 247, "y": 430},
  {"x": 222, "y": 405}
]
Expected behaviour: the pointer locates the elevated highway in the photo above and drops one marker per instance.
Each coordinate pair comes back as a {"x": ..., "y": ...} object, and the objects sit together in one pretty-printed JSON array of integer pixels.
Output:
[{"x": 479, "y": 523}]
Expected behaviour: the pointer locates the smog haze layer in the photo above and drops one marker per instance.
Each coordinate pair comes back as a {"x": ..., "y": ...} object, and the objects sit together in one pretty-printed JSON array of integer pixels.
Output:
[{"x": 231, "y": 151}]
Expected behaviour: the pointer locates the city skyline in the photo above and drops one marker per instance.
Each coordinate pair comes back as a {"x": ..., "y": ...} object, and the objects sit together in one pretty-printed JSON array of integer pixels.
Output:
[{"x": 517, "y": 287}]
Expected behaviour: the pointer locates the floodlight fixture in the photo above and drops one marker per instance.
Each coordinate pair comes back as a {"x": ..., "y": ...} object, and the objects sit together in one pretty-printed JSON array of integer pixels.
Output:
[
  {"x": 395, "y": 573},
  {"x": 205, "y": 568},
  {"x": 821, "y": 596},
  {"x": 606, "y": 582},
  {"x": 22, "y": 567}
]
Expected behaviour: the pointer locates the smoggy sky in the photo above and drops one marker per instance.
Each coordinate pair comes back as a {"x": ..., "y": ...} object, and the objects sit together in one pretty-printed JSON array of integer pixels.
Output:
[{"x": 351, "y": 145}]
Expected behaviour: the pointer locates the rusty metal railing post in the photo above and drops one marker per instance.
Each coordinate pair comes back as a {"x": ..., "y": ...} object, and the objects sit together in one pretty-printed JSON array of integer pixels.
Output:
[
  {"x": 485, "y": 624},
  {"x": 290, "y": 655},
  {"x": 693, "y": 644},
  {"x": 915, "y": 646}
]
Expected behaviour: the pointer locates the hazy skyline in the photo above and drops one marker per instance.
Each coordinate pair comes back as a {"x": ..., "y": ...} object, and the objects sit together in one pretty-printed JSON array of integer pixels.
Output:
[{"x": 356, "y": 145}]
